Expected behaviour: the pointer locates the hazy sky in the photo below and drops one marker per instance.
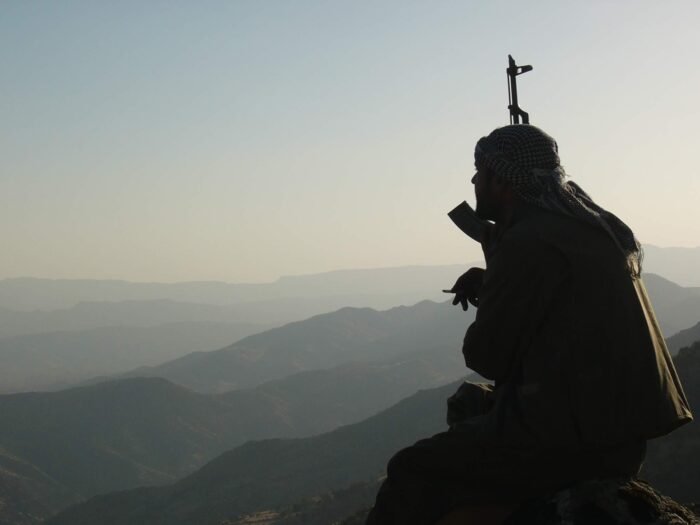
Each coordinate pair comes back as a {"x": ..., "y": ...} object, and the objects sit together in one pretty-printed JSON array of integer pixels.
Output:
[{"x": 241, "y": 141}]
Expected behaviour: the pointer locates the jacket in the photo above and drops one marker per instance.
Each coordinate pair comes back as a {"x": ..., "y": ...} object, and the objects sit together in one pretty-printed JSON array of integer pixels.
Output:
[{"x": 571, "y": 340}]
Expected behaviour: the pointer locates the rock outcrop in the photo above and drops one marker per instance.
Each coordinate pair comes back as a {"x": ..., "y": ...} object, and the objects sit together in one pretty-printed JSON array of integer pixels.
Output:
[
  {"x": 597, "y": 502},
  {"x": 603, "y": 502}
]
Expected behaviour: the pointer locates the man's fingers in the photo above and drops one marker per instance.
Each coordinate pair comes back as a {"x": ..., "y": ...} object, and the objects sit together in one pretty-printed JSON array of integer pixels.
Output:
[{"x": 461, "y": 299}]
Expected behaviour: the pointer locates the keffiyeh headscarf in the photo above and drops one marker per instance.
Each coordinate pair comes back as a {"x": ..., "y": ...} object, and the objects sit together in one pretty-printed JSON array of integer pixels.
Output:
[{"x": 528, "y": 158}]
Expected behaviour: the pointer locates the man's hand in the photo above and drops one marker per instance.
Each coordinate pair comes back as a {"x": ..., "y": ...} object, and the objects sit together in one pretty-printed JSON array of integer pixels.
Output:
[
  {"x": 492, "y": 236},
  {"x": 467, "y": 287}
]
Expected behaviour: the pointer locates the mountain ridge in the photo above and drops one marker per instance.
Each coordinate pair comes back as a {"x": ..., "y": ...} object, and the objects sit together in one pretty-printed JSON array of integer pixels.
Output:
[
  {"x": 31, "y": 293},
  {"x": 53, "y": 360},
  {"x": 269, "y": 474},
  {"x": 432, "y": 323},
  {"x": 376, "y": 436},
  {"x": 136, "y": 431},
  {"x": 322, "y": 341}
]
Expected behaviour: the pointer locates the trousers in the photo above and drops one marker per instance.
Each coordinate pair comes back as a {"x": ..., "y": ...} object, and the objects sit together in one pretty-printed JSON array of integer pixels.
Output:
[{"x": 457, "y": 468}]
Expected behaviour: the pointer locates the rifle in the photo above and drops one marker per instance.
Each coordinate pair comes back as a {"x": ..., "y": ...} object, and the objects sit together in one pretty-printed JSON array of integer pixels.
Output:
[
  {"x": 463, "y": 215},
  {"x": 512, "y": 72}
]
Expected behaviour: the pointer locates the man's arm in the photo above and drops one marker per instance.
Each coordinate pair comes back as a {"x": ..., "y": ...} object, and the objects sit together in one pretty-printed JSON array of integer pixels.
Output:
[{"x": 521, "y": 280}]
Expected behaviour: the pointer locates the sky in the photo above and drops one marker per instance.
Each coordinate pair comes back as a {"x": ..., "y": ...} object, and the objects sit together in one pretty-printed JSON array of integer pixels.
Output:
[{"x": 243, "y": 141}]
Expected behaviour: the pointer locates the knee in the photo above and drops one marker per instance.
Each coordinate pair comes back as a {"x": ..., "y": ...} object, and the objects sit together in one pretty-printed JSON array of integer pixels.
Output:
[
  {"x": 470, "y": 399},
  {"x": 396, "y": 463},
  {"x": 401, "y": 463},
  {"x": 416, "y": 459}
]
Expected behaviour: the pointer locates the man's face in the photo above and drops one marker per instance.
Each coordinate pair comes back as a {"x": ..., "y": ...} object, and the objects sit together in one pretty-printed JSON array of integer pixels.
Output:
[{"x": 486, "y": 203}]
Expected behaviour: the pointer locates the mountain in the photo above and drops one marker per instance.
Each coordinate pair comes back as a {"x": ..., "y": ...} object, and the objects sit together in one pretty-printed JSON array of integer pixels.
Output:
[
  {"x": 676, "y": 307},
  {"x": 145, "y": 431},
  {"x": 333, "y": 291},
  {"x": 268, "y": 478},
  {"x": 54, "y": 359},
  {"x": 683, "y": 338},
  {"x": 323, "y": 341},
  {"x": 360, "y": 334},
  {"x": 27, "y": 494},
  {"x": 680, "y": 265},
  {"x": 412, "y": 283},
  {"x": 57, "y": 359},
  {"x": 407, "y": 284},
  {"x": 104, "y": 339},
  {"x": 272, "y": 473},
  {"x": 114, "y": 434},
  {"x": 673, "y": 462},
  {"x": 88, "y": 316},
  {"x": 330, "y": 507},
  {"x": 320, "y": 400}
]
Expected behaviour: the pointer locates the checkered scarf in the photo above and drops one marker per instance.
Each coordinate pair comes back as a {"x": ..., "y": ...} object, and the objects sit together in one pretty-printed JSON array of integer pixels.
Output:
[{"x": 528, "y": 158}]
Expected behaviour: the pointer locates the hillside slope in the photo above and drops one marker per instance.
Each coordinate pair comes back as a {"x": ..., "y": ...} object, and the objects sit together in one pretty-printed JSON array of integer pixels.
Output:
[
  {"x": 274, "y": 474},
  {"x": 145, "y": 431},
  {"x": 53, "y": 360},
  {"x": 264, "y": 474},
  {"x": 323, "y": 341}
]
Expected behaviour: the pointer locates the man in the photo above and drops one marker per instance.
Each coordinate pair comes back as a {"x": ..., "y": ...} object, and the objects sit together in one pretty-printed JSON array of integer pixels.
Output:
[{"x": 564, "y": 328}]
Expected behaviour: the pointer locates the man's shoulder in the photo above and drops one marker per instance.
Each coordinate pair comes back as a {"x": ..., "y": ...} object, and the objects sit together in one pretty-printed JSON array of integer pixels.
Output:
[
  {"x": 533, "y": 226},
  {"x": 548, "y": 227},
  {"x": 543, "y": 233},
  {"x": 534, "y": 237}
]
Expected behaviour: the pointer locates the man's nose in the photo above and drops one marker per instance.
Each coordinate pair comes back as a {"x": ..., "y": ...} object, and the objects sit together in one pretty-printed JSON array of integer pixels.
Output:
[{"x": 474, "y": 179}]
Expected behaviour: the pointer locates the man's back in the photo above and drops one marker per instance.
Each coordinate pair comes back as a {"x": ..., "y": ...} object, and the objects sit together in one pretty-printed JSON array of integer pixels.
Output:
[{"x": 571, "y": 339}]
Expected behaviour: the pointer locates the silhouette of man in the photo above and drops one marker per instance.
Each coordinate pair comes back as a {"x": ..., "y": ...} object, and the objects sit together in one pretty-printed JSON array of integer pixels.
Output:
[{"x": 564, "y": 328}]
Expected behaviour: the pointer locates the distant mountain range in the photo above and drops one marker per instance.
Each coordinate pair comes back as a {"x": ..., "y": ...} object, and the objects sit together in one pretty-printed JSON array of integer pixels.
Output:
[
  {"x": 109, "y": 335},
  {"x": 371, "y": 287},
  {"x": 264, "y": 478},
  {"x": 375, "y": 288},
  {"x": 106, "y": 339},
  {"x": 669, "y": 299},
  {"x": 58, "y": 359},
  {"x": 88, "y": 316},
  {"x": 323, "y": 341},
  {"x": 130, "y": 336},
  {"x": 679, "y": 265},
  {"x": 329, "y": 339}
]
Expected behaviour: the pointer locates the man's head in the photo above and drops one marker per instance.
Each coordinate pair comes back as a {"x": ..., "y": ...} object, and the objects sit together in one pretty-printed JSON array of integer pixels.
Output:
[
  {"x": 515, "y": 159},
  {"x": 520, "y": 163}
]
